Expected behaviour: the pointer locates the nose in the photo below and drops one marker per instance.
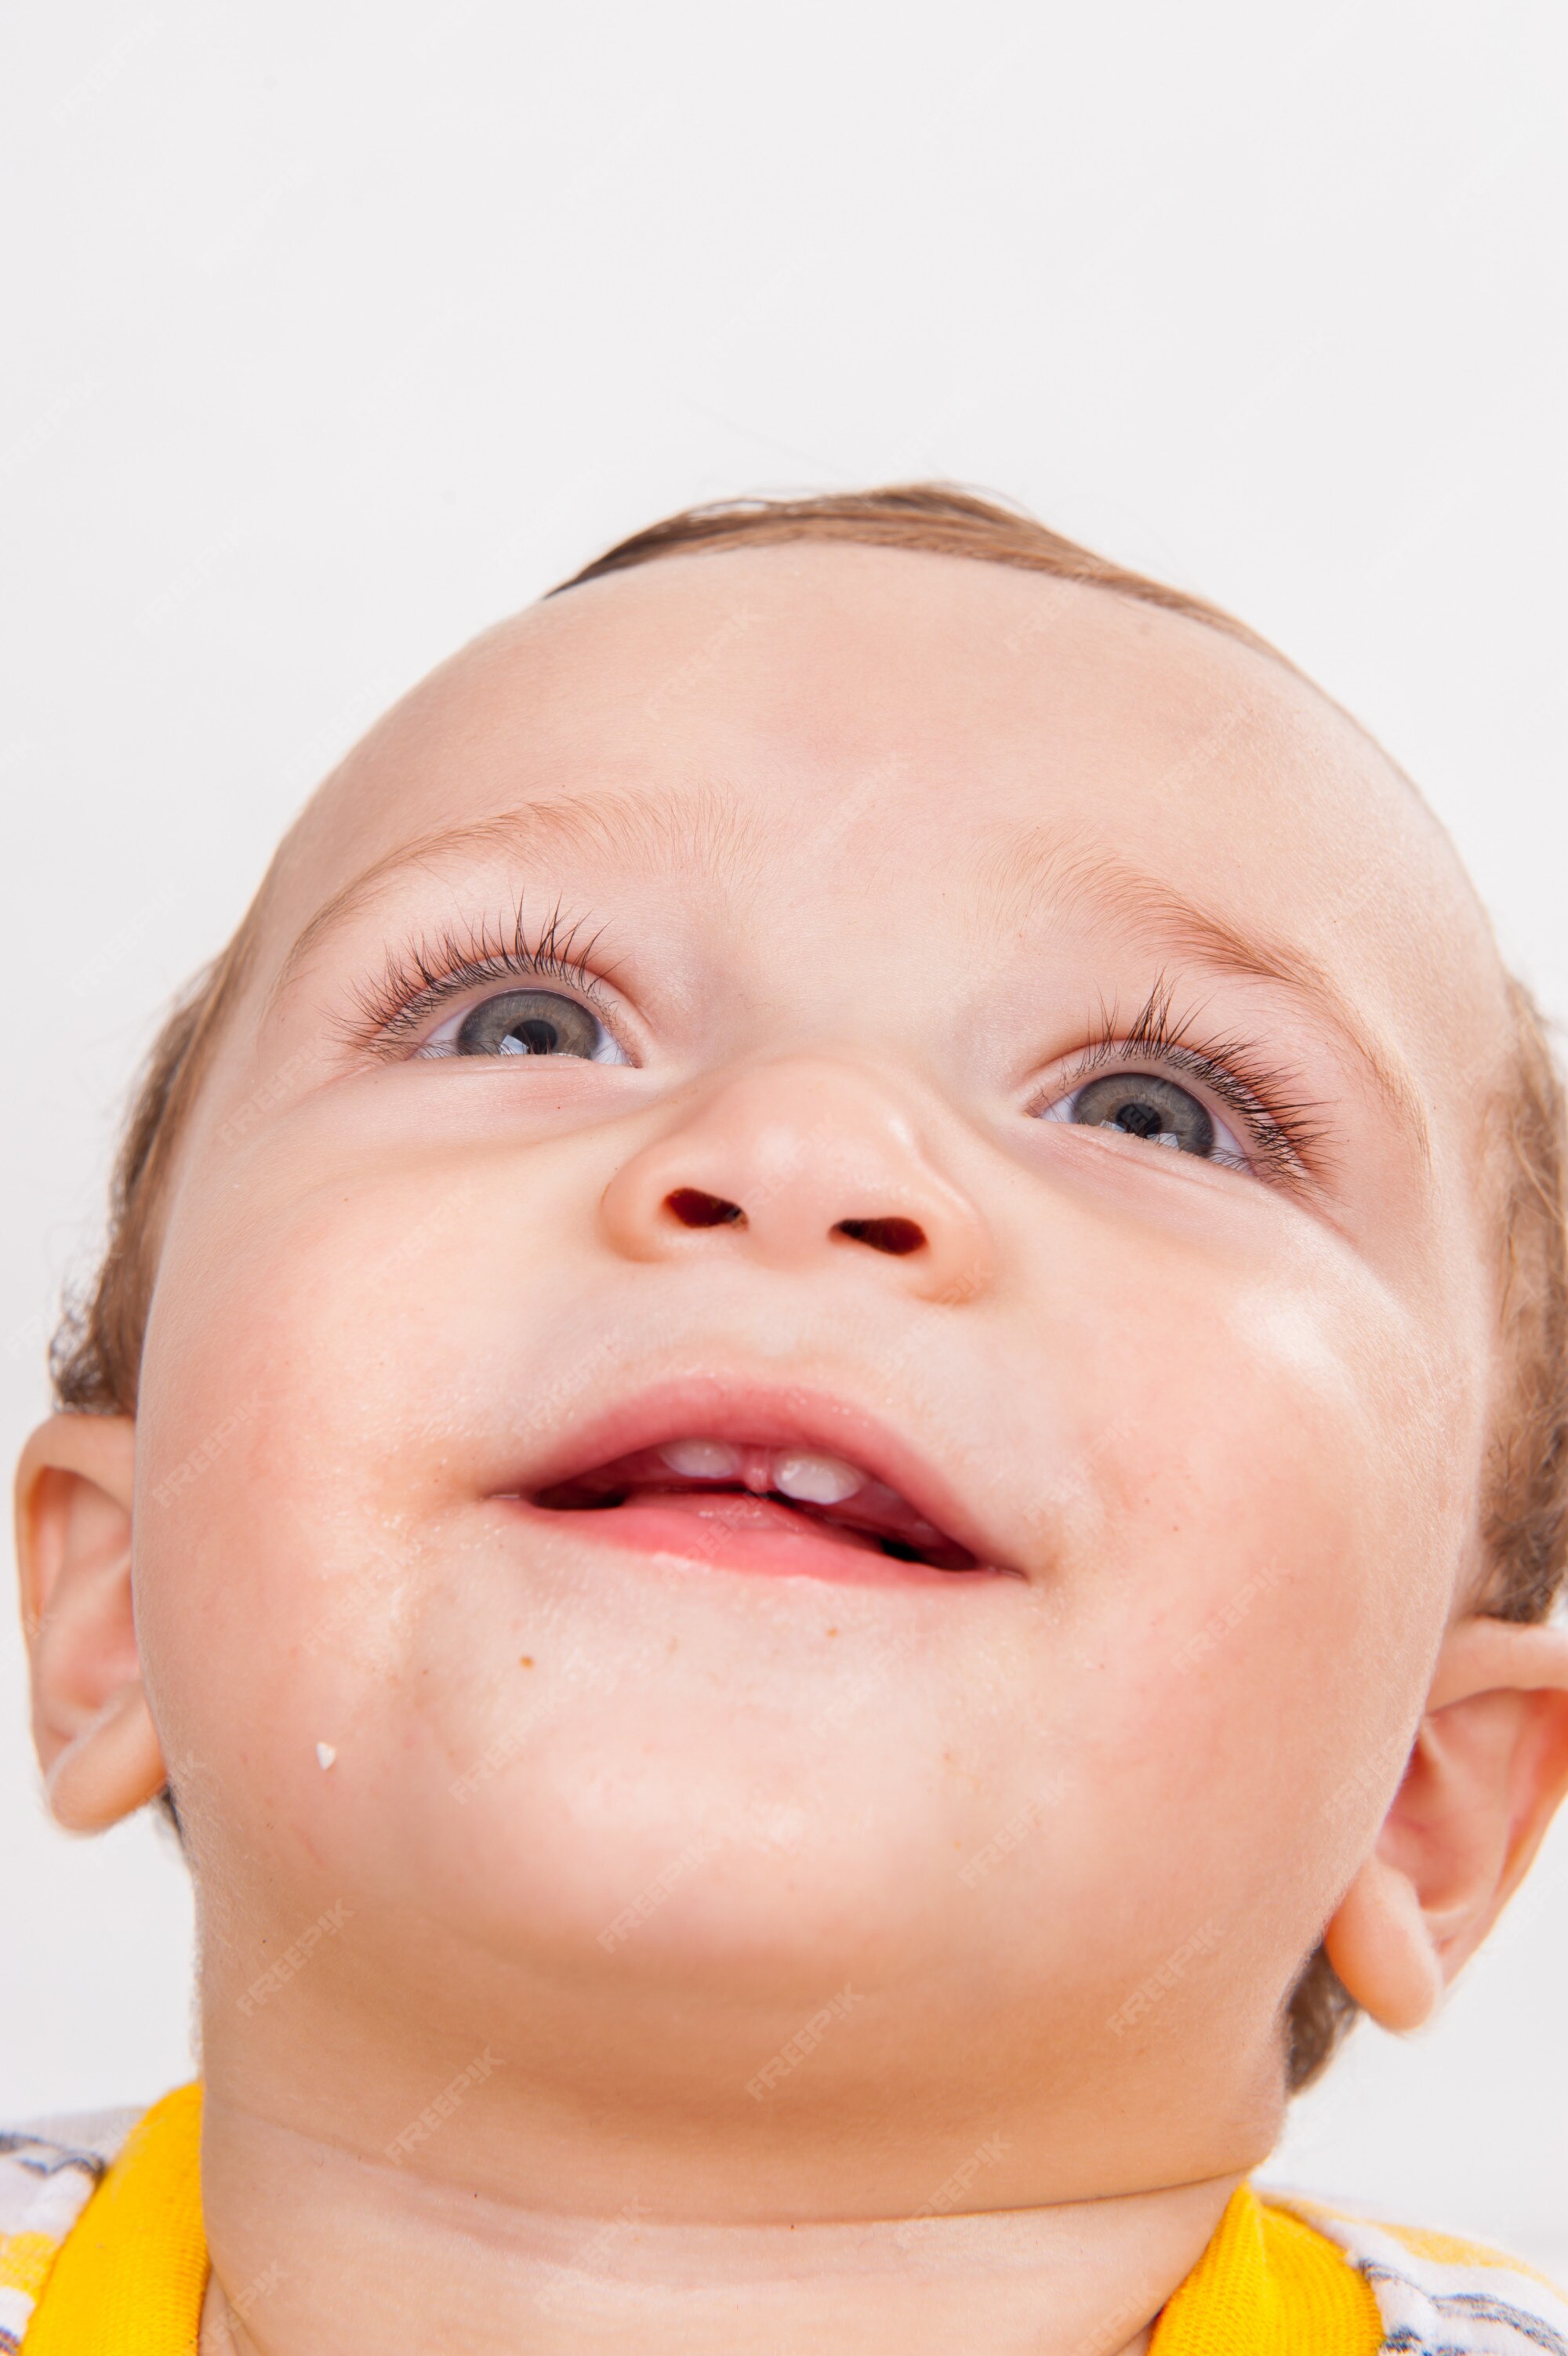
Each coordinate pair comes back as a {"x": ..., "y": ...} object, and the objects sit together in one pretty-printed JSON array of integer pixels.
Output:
[{"x": 802, "y": 1164}]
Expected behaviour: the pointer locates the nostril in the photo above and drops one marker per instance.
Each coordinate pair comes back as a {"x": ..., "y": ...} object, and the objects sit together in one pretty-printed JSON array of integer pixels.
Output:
[
  {"x": 693, "y": 1208},
  {"x": 897, "y": 1236}
]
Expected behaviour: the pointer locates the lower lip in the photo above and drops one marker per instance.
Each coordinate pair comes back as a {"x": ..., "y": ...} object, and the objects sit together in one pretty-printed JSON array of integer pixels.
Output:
[{"x": 728, "y": 1532}]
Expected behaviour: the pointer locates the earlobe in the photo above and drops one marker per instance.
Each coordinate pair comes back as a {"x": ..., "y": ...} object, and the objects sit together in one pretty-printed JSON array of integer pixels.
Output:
[
  {"x": 92, "y": 1727},
  {"x": 109, "y": 1768},
  {"x": 1486, "y": 1773},
  {"x": 1380, "y": 1945}
]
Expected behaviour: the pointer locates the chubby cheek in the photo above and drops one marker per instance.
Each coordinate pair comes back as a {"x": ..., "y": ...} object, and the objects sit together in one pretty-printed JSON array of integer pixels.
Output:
[
  {"x": 1282, "y": 1500},
  {"x": 281, "y": 1530}
]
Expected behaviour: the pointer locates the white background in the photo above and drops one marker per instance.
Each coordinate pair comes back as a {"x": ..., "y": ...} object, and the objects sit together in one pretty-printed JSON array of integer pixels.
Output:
[{"x": 333, "y": 332}]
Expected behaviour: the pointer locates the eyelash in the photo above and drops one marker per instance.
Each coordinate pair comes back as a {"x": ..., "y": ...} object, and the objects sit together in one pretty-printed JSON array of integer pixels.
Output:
[
  {"x": 417, "y": 981},
  {"x": 1280, "y": 1128}
]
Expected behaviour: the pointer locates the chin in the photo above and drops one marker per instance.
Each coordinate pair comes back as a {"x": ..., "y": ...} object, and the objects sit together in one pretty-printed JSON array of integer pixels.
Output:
[{"x": 625, "y": 1853}]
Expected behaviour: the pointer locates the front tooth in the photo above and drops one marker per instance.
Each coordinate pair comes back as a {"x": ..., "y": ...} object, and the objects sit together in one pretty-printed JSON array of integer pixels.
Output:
[
  {"x": 817, "y": 1479},
  {"x": 702, "y": 1460}
]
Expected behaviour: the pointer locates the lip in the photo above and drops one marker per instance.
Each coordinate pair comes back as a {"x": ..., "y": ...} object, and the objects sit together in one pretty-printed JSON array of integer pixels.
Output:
[{"x": 712, "y": 1406}]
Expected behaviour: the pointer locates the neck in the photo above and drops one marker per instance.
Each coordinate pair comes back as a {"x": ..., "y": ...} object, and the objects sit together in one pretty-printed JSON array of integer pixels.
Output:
[{"x": 318, "y": 2247}]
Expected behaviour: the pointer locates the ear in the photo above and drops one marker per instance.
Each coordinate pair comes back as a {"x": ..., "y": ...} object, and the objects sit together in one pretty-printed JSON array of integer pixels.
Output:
[
  {"x": 90, "y": 1723},
  {"x": 1488, "y": 1767}
]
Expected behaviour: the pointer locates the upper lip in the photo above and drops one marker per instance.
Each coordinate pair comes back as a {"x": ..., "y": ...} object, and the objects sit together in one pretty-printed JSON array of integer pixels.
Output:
[{"x": 713, "y": 1406}]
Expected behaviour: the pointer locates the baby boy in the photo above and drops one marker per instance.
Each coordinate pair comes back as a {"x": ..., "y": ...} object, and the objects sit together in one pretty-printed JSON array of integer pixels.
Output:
[{"x": 805, "y": 1663}]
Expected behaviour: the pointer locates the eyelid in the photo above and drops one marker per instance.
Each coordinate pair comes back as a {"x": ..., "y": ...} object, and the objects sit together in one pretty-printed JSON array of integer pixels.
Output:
[
  {"x": 432, "y": 973},
  {"x": 1284, "y": 1132}
]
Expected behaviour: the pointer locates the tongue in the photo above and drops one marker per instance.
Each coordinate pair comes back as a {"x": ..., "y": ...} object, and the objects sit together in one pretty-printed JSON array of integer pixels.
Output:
[{"x": 737, "y": 1509}]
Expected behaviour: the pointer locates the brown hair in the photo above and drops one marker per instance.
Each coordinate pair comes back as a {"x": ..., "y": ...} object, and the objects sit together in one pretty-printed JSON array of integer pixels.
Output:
[{"x": 97, "y": 1351}]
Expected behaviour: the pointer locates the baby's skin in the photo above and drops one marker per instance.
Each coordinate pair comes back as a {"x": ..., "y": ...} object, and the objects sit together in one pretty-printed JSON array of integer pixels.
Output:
[{"x": 1020, "y": 1060}]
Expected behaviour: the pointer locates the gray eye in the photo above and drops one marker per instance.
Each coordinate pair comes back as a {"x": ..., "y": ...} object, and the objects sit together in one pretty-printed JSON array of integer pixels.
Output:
[
  {"x": 530, "y": 1023},
  {"x": 1141, "y": 1104}
]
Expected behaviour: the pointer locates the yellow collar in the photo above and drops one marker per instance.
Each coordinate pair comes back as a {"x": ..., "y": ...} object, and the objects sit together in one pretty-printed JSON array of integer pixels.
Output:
[
  {"x": 1268, "y": 2282},
  {"x": 132, "y": 2273}
]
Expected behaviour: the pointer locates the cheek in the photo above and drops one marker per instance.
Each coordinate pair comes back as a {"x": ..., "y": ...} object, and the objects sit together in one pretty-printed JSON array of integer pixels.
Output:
[
  {"x": 1282, "y": 1505},
  {"x": 1291, "y": 1419},
  {"x": 288, "y": 1399}
]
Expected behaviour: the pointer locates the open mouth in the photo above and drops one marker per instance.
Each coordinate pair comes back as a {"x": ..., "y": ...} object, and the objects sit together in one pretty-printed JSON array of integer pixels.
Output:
[{"x": 718, "y": 1493}]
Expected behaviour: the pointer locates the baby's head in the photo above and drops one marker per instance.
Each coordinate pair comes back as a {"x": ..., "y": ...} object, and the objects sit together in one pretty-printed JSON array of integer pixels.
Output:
[{"x": 945, "y": 1526}]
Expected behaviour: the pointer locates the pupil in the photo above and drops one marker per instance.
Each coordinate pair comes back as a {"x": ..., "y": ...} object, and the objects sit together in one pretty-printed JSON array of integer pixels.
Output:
[
  {"x": 533, "y": 1036},
  {"x": 1138, "y": 1119}
]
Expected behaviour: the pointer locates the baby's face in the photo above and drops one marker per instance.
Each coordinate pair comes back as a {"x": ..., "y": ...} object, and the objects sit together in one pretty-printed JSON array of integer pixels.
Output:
[{"x": 898, "y": 1402}]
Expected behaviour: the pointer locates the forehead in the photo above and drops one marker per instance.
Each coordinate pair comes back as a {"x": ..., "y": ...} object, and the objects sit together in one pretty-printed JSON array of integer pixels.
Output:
[{"x": 913, "y": 728}]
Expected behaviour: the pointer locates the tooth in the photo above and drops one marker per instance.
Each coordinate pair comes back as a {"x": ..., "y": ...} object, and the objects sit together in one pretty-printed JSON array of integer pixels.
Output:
[
  {"x": 817, "y": 1479},
  {"x": 702, "y": 1460}
]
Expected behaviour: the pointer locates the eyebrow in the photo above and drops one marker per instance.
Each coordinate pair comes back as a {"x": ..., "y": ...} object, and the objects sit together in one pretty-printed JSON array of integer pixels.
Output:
[
  {"x": 701, "y": 830},
  {"x": 1035, "y": 873}
]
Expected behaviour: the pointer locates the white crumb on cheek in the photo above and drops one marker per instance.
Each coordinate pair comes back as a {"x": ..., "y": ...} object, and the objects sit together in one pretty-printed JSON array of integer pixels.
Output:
[{"x": 325, "y": 1754}]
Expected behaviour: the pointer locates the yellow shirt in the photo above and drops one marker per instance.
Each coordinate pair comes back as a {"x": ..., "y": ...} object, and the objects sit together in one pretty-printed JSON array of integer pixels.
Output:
[{"x": 128, "y": 2276}]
